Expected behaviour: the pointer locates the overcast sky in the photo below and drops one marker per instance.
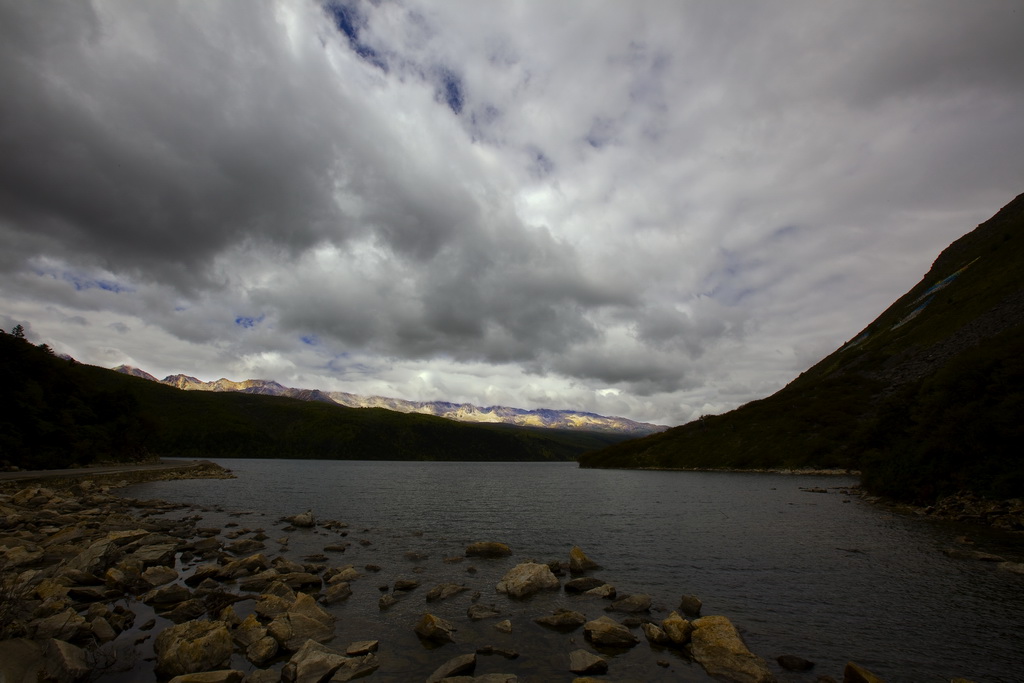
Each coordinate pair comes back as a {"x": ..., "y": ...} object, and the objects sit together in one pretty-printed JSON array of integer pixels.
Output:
[{"x": 647, "y": 209}]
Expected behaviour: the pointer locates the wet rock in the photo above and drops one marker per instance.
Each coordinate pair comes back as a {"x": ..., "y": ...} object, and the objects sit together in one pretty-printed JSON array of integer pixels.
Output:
[
  {"x": 186, "y": 611},
  {"x": 478, "y": 612},
  {"x": 21, "y": 659},
  {"x": 562, "y": 620},
  {"x": 102, "y": 630},
  {"x": 248, "y": 631},
  {"x": 348, "y": 573},
  {"x": 690, "y": 605},
  {"x": 372, "y": 567},
  {"x": 222, "y": 676},
  {"x": 609, "y": 633},
  {"x": 435, "y": 629},
  {"x": 336, "y": 593},
  {"x": 445, "y": 591},
  {"x": 579, "y": 562},
  {"x": 312, "y": 663},
  {"x": 854, "y": 673},
  {"x": 356, "y": 667},
  {"x": 203, "y": 572},
  {"x": 504, "y": 626},
  {"x": 631, "y": 604},
  {"x": 1015, "y": 567},
  {"x": 64, "y": 625},
  {"x": 192, "y": 647},
  {"x": 271, "y": 606},
  {"x": 303, "y": 621},
  {"x": 605, "y": 591},
  {"x": 717, "y": 646},
  {"x": 362, "y": 647},
  {"x": 304, "y": 520},
  {"x": 159, "y": 575},
  {"x": 64, "y": 662},
  {"x": 655, "y": 635},
  {"x": 526, "y": 579},
  {"x": 336, "y": 548},
  {"x": 583, "y": 584},
  {"x": 463, "y": 664},
  {"x": 794, "y": 663},
  {"x": 677, "y": 629},
  {"x": 246, "y": 545},
  {"x": 386, "y": 601},
  {"x": 167, "y": 595},
  {"x": 404, "y": 585},
  {"x": 583, "y": 662},
  {"x": 159, "y": 554},
  {"x": 488, "y": 549},
  {"x": 262, "y": 651}
]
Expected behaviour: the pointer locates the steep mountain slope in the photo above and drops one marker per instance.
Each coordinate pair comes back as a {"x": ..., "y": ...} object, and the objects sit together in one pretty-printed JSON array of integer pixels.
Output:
[
  {"x": 57, "y": 413},
  {"x": 460, "y": 412},
  {"x": 927, "y": 400}
]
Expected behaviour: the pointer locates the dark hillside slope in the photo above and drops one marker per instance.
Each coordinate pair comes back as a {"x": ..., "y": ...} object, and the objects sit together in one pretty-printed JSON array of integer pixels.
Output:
[
  {"x": 58, "y": 413},
  {"x": 926, "y": 401}
]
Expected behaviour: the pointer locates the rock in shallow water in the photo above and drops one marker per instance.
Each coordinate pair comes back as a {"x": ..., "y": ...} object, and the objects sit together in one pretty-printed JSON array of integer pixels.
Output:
[
  {"x": 193, "y": 647},
  {"x": 526, "y": 579},
  {"x": 717, "y": 646}
]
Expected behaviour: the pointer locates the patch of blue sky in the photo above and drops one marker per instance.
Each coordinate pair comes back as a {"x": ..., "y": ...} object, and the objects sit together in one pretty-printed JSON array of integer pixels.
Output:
[
  {"x": 350, "y": 22},
  {"x": 310, "y": 340},
  {"x": 83, "y": 282},
  {"x": 249, "y": 322}
]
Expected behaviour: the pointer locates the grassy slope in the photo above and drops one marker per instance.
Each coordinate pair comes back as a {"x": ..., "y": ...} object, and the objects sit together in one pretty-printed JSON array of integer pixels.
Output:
[
  {"x": 923, "y": 409},
  {"x": 56, "y": 413}
]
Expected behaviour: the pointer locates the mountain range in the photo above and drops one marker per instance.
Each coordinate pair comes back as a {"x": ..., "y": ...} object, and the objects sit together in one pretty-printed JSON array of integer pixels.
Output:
[
  {"x": 926, "y": 401},
  {"x": 460, "y": 412}
]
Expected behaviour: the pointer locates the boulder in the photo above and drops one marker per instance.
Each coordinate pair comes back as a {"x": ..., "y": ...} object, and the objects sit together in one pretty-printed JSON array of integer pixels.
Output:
[
  {"x": 677, "y": 629},
  {"x": 64, "y": 662},
  {"x": 583, "y": 662},
  {"x": 463, "y": 664},
  {"x": 63, "y": 626},
  {"x": 262, "y": 651},
  {"x": 605, "y": 590},
  {"x": 717, "y": 646},
  {"x": 303, "y": 520},
  {"x": 167, "y": 595},
  {"x": 222, "y": 676},
  {"x": 655, "y": 634},
  {"x": 362, "y": 647},
  {"x": 159, "y": 575},
  {"x": 336, "y": 593},
  {"x": 631, "y": 604},
  {"x": 583, "y": 584},
  {"x": 488, "y": 549},
  {"x": 579, "y": 562},
  {"x": 21, "y": 659},
  {"x": 303, "y": 621},
  {"x": 478, "y": 612},
  {"x": 609, "y": 633},
  {"x": 356, "y": 667},
  {"x": 312, "y": 663},
  {"x": 158, "y": 554},
  {"x": 853, "y": 673},
  {"x": 186, "y": 611},
  {"x": 344, "y": 574},
  {"x": 193, "y": 647},
  {"x": 690, "y": 605},
  {"x": 794, "y": 663},
  {"x": 435, "y": 629},
  {"x": 445, "y": 591},
  {"x": 526, "y": 579},
  {"x": 562, "y": 620},
  {"x": 243, "y": 546}
]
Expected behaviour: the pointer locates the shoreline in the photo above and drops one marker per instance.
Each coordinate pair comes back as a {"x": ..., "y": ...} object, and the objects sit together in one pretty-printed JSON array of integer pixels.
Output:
[
  {"x": 801, "y": 471},
  {"x": 115, "y": 476}
]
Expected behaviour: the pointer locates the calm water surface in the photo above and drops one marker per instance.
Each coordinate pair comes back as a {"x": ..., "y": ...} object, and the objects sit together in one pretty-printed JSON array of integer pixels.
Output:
[{"x": 823, "y": 576}]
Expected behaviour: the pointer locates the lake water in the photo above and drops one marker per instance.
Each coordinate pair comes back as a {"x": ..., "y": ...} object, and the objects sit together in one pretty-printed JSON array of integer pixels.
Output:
[{"x": 827, "y": 577}]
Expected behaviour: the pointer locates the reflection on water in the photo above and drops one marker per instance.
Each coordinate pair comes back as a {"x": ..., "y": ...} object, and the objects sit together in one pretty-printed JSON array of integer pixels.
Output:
[{"x": 822, "y": 576}]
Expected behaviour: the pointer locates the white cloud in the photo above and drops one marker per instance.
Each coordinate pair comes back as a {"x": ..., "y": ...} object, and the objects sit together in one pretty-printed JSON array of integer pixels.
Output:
[{"x": 649, "y": 209}]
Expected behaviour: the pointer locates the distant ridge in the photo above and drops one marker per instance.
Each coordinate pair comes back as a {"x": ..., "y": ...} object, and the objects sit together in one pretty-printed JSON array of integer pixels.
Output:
[
  {"x": 460, "y": 412},
  {"x": 926, "y": 401}
]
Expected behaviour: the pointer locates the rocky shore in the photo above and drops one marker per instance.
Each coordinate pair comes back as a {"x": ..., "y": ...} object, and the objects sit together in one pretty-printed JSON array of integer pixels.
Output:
[{"x": 94, "y": 586}]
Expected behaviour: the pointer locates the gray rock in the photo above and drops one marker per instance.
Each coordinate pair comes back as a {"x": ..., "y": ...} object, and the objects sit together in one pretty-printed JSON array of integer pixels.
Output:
[
  {"x": 463, "y": 664},
  {"x": 583, "y": 662}
]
